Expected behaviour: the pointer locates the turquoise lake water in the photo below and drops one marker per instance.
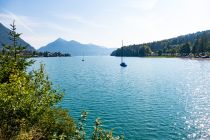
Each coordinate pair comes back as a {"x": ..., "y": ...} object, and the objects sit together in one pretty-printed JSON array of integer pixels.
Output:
[{"x": 153, "y": 98}]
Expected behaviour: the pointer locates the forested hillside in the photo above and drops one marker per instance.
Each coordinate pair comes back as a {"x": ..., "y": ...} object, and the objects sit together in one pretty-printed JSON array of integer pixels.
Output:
[{"x": 197, "y": 44}]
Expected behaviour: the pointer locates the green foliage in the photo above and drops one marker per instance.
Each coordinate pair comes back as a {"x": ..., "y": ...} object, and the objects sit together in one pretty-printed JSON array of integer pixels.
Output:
[
  {"x": 100, "y": 134},
  {"x": 12, "y": 56},
  {"x": 80, "y": 132},
  {"x": 29, "y": 105},
  {"x": 27, "y": 100},
  {"x": 30, "y": 97},
  {"x": 185, "y": 49},
  {"x": 133, "y": 51},
  {"x": 49, "y": 54},
  {"x": 173, "y": 51},
  {"x": 160, "y": 53},
  {"x": 198, "y": 44},
  {"x": 146, "y": 50}
]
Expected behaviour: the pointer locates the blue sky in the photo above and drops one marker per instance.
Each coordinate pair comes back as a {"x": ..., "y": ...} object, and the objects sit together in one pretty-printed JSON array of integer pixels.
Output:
[{"x": 105, "y": 22}]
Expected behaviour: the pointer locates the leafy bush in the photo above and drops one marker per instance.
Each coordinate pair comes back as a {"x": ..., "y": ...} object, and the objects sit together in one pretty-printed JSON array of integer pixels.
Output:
[
  {"x": 27, "y": 100},
  {"x": 28, "y": 103}
]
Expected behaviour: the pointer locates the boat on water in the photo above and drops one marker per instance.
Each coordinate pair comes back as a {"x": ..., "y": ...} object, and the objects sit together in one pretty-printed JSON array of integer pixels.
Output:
[
  {"x": 122, "y": 64},
  {"x": 83, "y": 59}
]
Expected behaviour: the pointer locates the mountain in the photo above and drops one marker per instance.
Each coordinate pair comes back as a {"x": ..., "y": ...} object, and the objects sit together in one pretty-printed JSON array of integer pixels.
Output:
[
  {"x": 4, "y": 38},
  {"x": 75, "y": 48},
  {"x": 198, "y": 42}
]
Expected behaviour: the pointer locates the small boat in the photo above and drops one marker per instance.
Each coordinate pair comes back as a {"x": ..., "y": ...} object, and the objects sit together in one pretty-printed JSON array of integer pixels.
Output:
[
  {"x": 83, "y": 59},
  {"x": 122, "y": 64}
]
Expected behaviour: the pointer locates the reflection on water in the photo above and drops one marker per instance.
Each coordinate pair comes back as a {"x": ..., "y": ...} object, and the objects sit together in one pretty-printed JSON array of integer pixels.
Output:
[{"x": 198, "y": 104}]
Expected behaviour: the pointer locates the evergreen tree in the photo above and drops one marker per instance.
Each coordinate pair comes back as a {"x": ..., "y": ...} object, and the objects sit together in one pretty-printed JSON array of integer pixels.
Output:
[
  {"x": 12, "y": 56},
  {"x": 185, "y": 49},
  {"x": 195, "y": 48}
]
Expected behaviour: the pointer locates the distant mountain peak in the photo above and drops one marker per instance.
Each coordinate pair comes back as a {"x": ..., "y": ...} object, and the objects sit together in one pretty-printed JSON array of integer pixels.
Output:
[
  {"x": 60, "y": 39},
  {"x": 75, "y": 48},
  {"x": 74, "y": 41}
]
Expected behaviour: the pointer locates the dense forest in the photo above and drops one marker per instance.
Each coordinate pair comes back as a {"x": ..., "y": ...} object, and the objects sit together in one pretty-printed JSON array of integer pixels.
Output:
[{"x": 191, "y": 45}]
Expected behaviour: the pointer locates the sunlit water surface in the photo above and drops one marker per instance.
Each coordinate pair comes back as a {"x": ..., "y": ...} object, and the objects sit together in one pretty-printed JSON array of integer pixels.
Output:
[{"x": 153, "y": 98}]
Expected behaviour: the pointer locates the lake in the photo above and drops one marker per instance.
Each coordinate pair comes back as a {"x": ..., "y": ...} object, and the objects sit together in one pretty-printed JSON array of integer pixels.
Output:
[{"x": 152, "y": 98}]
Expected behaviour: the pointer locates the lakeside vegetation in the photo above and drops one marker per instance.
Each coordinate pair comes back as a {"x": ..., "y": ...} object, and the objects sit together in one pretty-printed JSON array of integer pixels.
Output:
[
  {"x": 29, "y": 105},
  {"x": 192, "y": 45},
  {"x": 49, "y": 54},
  {"x": 38, "y": 54}
]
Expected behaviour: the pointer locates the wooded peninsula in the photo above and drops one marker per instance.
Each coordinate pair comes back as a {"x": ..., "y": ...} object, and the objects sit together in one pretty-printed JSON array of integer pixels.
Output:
[{"x": 192, "y": 45}]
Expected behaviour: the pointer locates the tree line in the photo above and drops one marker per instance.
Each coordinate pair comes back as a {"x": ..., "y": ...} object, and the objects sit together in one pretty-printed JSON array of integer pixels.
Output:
[
  {"x": 191, "y": 45},
  {"x": 38, "y": 54},
  {"x": 49, "y": 54}
]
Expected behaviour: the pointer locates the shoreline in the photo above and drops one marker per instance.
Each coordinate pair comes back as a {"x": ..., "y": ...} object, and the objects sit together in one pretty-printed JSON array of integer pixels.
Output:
[{"x": 192, "y": 58}]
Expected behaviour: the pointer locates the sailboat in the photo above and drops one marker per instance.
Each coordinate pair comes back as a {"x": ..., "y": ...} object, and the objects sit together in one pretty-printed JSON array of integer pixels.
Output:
[
  {"x": 83, "y": 59},
  {"x": 122, "y": 64}
]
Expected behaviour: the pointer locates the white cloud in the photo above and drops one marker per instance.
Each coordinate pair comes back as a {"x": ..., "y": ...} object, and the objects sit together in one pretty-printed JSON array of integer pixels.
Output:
[
  {"x": 141, "y": 4},
  {"x": 79, "y": 19},
  {"x": 20, "y": 20}
]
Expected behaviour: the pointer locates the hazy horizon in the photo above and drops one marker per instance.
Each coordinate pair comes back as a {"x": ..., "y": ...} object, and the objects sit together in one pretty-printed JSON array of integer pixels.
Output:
[{"x": 105, "y": 22}]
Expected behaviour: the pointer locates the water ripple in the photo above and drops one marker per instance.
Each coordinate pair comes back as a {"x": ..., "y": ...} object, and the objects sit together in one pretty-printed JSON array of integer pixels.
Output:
[{"x": 150, "y": 99}]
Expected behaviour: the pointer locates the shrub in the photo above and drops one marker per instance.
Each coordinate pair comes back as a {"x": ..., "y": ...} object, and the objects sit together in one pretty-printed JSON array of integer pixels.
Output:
[{"x": 28, "y": 103}]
